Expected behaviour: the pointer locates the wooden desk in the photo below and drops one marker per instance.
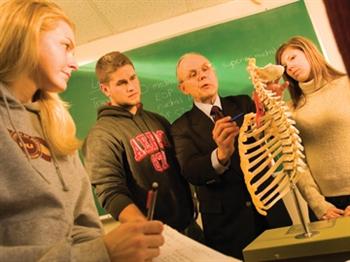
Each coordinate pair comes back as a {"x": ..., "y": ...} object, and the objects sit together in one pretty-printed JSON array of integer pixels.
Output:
[{"x": 332, "y": 243}]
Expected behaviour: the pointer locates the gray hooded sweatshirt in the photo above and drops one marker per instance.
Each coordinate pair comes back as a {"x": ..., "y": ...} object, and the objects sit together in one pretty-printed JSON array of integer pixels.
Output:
[{"x": 46, "y": 207}]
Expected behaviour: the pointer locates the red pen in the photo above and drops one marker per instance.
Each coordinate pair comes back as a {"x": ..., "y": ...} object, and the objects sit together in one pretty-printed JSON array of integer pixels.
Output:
[{"x": 151, "y": 200}]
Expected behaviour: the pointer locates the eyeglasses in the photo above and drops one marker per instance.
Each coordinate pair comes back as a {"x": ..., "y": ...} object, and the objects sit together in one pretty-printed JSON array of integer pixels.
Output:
[{"x": 194, "y": 73}]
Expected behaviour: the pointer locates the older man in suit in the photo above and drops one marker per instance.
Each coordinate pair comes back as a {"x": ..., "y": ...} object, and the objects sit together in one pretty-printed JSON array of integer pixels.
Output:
[{"x": 206, "y": 147}]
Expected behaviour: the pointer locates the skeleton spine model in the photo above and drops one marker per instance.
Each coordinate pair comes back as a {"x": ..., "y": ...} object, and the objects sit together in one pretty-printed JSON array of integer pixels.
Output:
[{"x": 270, "y": 148}]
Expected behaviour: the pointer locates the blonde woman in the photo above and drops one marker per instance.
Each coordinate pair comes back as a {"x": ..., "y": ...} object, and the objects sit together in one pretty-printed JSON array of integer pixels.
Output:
[
  {"x": 321, "y": 107},
  {"x": 46, "y": 207}
]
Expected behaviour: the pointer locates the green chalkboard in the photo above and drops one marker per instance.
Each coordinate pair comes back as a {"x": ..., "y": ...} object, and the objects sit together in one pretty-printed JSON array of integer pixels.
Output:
[{"x": 227, "y": 46}]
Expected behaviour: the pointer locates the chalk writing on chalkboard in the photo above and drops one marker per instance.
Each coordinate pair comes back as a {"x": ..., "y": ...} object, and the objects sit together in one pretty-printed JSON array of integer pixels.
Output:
[
  {"x": 165, "y": 98},
  {"x": 154, "y": 86},
  {"x": 237, "y": 61},
  {"x": 96, "y": 97}
]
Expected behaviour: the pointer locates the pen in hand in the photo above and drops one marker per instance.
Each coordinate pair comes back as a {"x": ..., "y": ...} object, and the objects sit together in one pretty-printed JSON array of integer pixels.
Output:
[
  {"x": 234, "y": 118},
  {"x": 151, "y": 200}
]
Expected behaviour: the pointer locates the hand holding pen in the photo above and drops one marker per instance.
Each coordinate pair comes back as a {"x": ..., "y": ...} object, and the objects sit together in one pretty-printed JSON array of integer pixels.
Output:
[
  {"x": 151, "y": 200},
  {"x": 224, "y": 133}
]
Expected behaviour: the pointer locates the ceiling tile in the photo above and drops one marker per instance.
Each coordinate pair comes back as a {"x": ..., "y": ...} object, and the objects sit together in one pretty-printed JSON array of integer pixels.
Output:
[{"x": 96, "y": 19}]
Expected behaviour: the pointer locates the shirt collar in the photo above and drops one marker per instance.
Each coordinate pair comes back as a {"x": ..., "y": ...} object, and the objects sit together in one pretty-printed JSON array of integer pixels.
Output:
[
  {"x": 206, "y": 108},
  {"x": 311, "y": 86}
]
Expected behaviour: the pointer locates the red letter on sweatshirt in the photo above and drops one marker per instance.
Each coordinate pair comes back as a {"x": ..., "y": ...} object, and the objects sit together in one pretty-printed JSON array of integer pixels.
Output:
[
  {"x": 139, "y": 153},
  {"x": 159, "y": 161}
]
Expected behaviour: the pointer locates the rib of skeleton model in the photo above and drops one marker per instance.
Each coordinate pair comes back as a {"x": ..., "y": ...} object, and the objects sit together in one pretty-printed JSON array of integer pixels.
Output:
[{"x": 269, "y": 145}]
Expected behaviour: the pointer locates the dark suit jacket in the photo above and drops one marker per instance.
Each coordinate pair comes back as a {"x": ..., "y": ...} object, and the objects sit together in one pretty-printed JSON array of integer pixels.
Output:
[{"x": 230, "y": 221}]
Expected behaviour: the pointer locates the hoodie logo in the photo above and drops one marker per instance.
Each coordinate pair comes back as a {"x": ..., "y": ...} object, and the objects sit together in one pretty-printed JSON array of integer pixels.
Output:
[
  {"x": 36, "y": 146},
  {"x": 151, "y": 144}
]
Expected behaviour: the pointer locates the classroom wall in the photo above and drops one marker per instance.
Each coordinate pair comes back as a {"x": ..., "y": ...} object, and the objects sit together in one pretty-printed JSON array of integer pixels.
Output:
[{"x": 207, "y": 17}]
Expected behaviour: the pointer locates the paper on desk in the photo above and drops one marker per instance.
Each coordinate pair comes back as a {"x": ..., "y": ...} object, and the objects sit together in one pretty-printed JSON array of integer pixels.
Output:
[{"x": 180, "y": 248}]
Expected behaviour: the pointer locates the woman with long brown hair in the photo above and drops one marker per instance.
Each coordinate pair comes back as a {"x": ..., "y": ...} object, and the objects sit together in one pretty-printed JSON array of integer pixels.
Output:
[{"x": 321, "y": 108}]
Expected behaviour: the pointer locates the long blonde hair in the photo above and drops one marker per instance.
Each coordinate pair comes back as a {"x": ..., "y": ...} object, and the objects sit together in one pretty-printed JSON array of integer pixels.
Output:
[
  {"x": 320, "y": 69},
  {"x": 21, "y": 23}
]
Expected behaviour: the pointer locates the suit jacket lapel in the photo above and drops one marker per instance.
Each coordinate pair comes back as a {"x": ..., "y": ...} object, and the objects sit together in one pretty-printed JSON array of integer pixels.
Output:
[
  {"x": 202, "y": 126},
  {"x": 229, "y": 108}
]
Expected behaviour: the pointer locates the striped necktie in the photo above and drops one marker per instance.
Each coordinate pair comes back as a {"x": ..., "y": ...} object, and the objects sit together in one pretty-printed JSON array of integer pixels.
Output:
[{"x": 216, "y": 113}]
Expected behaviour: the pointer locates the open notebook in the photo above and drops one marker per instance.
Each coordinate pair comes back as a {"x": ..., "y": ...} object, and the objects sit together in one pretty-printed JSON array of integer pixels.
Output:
[{"x": 180, "y": 248}]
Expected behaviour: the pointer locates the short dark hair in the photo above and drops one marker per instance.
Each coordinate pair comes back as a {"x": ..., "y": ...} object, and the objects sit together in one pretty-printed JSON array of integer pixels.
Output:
[{"x": 109, "y": 63}]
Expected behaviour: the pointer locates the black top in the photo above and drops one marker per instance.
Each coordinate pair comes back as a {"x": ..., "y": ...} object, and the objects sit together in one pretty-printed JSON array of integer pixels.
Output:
[
  {"x": 125, "y": 154},
  {"x": 230, "y": 221}
]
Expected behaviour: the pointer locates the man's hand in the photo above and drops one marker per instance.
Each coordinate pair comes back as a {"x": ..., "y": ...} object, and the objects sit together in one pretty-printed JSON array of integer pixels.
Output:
[
  {"x": 224, "y": 133},
  {"x": 277, "y": 88},
  {"x": 131, "y": 213},
  {"x": 347, "y": 211},
  {"x": 333, "y": 212},
  {"x": 135, "y": 241}
]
